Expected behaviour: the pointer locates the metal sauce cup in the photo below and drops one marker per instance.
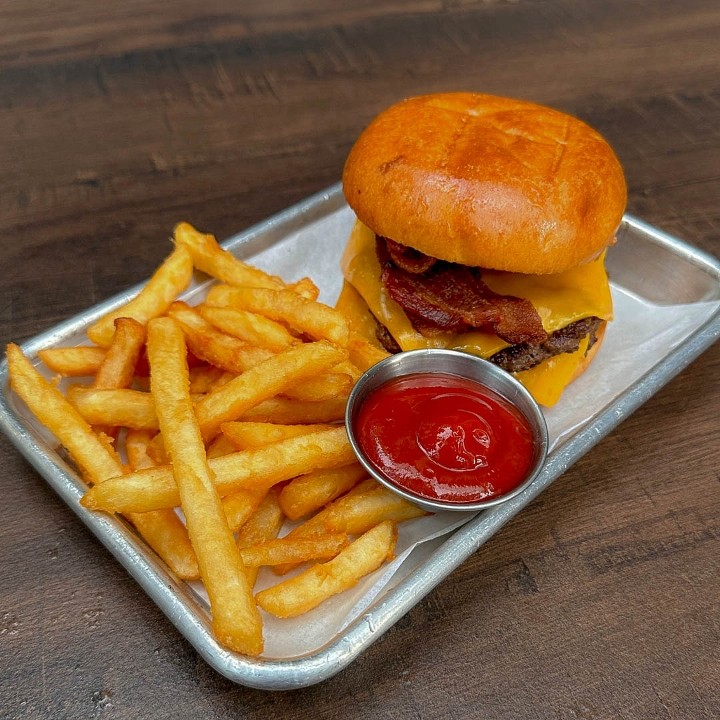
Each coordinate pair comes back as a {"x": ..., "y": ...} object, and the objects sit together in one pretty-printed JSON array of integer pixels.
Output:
[{"x": 464, "y": 365}]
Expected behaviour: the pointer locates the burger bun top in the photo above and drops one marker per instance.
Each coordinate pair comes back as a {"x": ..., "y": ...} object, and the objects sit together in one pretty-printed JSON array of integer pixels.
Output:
[{"x": 487, "y": 181}]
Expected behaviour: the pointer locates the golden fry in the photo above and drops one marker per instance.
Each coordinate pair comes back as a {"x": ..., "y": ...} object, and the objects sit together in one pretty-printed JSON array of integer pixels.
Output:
[
  {"x": 220, "y": 446},
  {"x": 95, "y": 460},
  {"x": 249, "y": 327},
  {"x": 330, "y": 386},
  {"x": 168, "y": 281},
  {"x": 313, "y": 318},
  {"x": 245, "y": 435},
  {"x": 240, "y": 505},
  {"x": 308, "y": 493},
  {"x": 262, "y": 525},
  {"x": 306, "y": 287},
  {"x": 118, "y": 367},
  {"x": 363, "y": 507},
  {"x": 262, "y": 382},
  {"x": 236, "y": 620},
  {"x": 257, "y": 468},
  {"x": 213, "y": 346},
  {"x": 163, "y": 530},
  {"x": 211, "y": 258},
  {"x": 359, "y": 512},
  {"x": 204, "y": 378},
  {"x": 287, "y": 411},
  {"x": 308, "y": 589},
  {"x": 294, "y": 550},
  {"x": 165, "y": 533},
  {"x": 115, "y": 408},
  {"x": 81, "y": 361},
  {"x": 364, "y": 354}
]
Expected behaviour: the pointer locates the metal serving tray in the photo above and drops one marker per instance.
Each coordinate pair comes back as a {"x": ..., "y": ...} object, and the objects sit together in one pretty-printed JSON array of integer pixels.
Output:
[{"x": 645, "y": 263}]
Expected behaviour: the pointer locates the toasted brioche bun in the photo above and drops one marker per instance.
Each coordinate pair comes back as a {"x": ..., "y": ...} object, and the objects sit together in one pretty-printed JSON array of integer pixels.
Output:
[{"x": 487, "y": 181}]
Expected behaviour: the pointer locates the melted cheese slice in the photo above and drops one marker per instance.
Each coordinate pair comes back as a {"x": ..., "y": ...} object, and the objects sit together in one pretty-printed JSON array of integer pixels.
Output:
[{"x": 560, "y": 300}]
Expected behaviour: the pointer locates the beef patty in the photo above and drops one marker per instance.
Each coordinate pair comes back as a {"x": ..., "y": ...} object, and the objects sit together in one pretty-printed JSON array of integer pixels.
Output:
[
  {"x": 566, "y": 340},
  {"x": 524, "y": 356}
]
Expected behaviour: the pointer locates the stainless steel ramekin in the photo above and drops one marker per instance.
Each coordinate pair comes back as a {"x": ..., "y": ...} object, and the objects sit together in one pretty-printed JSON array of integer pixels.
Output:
[{"x": 465, "y": 365}]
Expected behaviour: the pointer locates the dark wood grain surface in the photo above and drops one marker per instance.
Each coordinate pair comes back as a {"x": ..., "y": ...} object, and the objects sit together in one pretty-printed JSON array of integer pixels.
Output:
[{"x": 602, "y": 599}]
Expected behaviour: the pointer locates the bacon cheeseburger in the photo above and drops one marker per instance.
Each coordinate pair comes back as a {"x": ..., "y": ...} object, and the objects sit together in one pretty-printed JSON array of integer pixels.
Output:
[{"x": 481, "y": 225}]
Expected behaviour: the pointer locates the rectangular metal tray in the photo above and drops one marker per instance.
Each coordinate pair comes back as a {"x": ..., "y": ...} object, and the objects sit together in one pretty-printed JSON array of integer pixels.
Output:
[{"x": 645, "y": 263}]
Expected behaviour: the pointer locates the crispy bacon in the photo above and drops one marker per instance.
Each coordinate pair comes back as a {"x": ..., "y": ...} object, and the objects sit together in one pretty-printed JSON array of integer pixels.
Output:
[
  {"x": 453, "y": 298},
  {"x": 408, "y": 258}
]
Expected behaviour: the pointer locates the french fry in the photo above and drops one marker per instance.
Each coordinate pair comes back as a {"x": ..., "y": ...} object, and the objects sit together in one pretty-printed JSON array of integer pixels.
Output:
[
  {"x": 115, "y": 408},
  {"x": 348, "y": 368},
  {"x": 294, "y": 550},
  {"x": 305, "y": 287},
  {"x": 156, "y": 450},
  {"x": 330, "y": 386},
  {"x": 165, "y": 533},
  {"x": 262, "y": 525},
  {"x": 213, "y": 346},
  {"x": 81, "y": 361},
  {"x": 364, "y": 354},
  {"x": 364, "y": 486},
  {"x": 288, "y": 411},
  {"x": 356, "y": 512},
  {"x": 236, "y": 620},
  {"x": 359, "y": 512},
  {"x": 220, "y": 446},
  {"x": 212, "y": 259},
  {"x": 162, "y": 529},
  {"x": 313, "y": 318},
  {"x": 203, "y": 378},
  {"x": 244, "y": 435},
  {"x": 308, "y": 493},
  {"x": 225, "y": 378},
  {"x": 263, "y": 467},
  {"x": 136, "y": 449},
  {"x": 262, "y": 382},
  {"x": 168, "y": 281},
  {"x": 239, "y": 506},
  {"x": 250, "y": 327},
  {"x": 117, "y": 369},
  {"x": 94, "y": 458},
  {"x": 307, "y": 590}
]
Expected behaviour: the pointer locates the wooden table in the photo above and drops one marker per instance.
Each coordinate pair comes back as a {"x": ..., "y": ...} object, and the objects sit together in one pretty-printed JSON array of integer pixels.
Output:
[{"x": 601, "y": 600}]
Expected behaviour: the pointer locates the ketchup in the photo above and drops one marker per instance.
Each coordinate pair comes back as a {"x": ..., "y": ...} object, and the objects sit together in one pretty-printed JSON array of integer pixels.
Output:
[{"x": 444, "y": 437}]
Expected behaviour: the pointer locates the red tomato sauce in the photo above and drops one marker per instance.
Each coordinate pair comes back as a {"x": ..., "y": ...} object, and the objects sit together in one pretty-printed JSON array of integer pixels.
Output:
[{"x": 444, "y": 437}]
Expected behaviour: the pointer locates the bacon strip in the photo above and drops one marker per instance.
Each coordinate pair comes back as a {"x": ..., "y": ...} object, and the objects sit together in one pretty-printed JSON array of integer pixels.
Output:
[
  {"x": 453, "y": 298},
  {"x": 409, "y": 259}
]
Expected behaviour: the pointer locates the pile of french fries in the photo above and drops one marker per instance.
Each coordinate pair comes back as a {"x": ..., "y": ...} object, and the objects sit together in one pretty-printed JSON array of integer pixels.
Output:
[{"x": 216, "y": 431}]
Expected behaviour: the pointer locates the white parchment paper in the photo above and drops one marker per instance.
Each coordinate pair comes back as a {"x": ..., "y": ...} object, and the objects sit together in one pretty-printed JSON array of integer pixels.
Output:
[{"x": 640, "y": 336}]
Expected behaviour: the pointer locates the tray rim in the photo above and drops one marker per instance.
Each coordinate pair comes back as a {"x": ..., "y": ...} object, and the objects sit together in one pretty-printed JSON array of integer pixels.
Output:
[{"x": 176, "y": 600}]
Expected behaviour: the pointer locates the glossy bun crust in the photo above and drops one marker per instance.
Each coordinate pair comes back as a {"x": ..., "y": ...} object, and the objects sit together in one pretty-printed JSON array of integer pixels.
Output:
[{"x": 487, "y": 181}]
